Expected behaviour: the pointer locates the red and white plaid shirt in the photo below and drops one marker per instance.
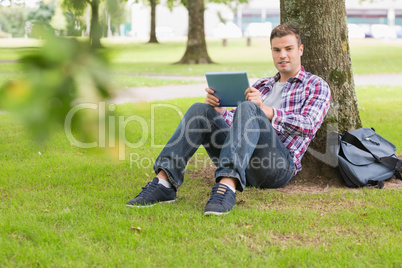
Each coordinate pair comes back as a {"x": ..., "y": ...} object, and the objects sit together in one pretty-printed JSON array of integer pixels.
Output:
[{"x": 304, "y": 104}]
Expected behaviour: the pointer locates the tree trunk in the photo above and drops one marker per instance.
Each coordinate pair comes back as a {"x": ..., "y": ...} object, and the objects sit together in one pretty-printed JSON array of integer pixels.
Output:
[
  {"x": 324, "y": 33},
  {"x": 196, "y": 51},
  {"x": 95, "y": 33},
  {"x": 152, "y": 38}
]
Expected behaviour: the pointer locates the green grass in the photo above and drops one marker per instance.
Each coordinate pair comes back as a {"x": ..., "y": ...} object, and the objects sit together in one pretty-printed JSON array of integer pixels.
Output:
[
  {"x": 62, "y": 206},
  {"x": 65, "y": 207},
  {"x": 376, "y": 56},
  {"x": 122, "y": 80},
  {"x": 14, "y": 53},
  {"x": 380, "y": 108},
  {"x": 144, "y": 58},
  {"x": 368, "y": 56},
  {"x": 13, "y": 71},
  {"x": 4, "y": 77}
]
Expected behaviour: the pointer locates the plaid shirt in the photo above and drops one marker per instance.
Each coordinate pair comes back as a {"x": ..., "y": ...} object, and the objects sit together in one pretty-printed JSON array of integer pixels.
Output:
[{"x": 305, "y": 102}]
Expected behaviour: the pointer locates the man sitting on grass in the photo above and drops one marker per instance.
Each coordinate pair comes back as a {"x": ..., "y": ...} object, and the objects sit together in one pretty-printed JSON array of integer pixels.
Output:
[{"x": 260, "y": 143}]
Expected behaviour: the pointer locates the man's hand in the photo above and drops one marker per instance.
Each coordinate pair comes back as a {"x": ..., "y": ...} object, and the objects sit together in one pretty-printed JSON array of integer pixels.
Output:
[
  {"x": 213, "y": 101},
  {"x": 254, "y": 95}
]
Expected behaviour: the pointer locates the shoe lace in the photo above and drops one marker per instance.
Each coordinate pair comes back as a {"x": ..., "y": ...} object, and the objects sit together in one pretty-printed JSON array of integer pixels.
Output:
[
  {"x": 147, "y": 188},
  {"x": 218, "y": 193}
]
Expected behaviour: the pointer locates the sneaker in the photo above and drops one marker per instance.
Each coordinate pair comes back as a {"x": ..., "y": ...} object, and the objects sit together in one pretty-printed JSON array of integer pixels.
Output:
[
  {"x": 153, "y": 193},
  {"x": 221, "y": 201}
]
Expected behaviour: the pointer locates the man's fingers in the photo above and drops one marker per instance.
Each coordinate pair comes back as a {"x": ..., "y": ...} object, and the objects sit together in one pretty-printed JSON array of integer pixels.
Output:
[
  {"x": 253, "y": 95},
  {"x": 252, "y": 92},
  {"x": 248, "y": 90},
  {"x": 212, "y": 102},
  {"x": 210, "y": 98},
  {"x": 210, "y": 91}
]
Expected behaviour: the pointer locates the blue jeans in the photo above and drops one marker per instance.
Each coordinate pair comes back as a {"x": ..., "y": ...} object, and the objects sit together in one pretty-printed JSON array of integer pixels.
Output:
[{"x": 249, "y": 150}]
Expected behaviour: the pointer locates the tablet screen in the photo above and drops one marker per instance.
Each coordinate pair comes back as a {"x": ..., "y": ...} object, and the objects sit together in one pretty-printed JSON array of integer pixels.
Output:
[{"x": 229, "y": 87}]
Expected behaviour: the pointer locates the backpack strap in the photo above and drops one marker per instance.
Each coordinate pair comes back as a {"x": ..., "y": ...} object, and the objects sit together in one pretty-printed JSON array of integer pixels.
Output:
[
  {"x": 390, "y": 161},
  {"x": 352, "y": 139},
  {"x": 376, "y": 184}
]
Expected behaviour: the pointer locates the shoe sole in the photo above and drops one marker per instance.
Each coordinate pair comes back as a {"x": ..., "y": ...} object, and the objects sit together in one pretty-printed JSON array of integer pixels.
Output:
[
  {"x": 207, "y": 213},
  {"x": 151, "y": 205}
]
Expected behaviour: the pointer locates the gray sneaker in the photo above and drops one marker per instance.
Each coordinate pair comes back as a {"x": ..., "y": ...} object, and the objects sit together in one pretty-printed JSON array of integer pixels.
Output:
[{"x": 153, "y": 193}]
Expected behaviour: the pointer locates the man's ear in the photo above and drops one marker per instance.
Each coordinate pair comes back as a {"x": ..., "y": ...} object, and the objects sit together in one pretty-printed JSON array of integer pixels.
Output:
[{"x": 301, "y": 48}]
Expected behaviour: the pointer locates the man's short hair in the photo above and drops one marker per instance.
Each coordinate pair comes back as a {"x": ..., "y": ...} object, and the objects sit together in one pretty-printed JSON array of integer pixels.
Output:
[{"x": 285, "y": 29}]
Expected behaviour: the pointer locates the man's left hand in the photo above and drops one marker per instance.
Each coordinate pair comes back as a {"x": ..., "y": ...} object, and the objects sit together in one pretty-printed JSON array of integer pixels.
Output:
[{"x": 253, "y": 95}]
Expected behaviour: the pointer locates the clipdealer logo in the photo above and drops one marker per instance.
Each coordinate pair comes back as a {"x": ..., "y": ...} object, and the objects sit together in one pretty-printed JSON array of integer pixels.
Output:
[{"x": 108, "y": 137}]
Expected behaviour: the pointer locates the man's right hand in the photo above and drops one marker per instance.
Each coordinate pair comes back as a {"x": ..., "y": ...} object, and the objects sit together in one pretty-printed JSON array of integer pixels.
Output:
[{"x": 213, "y": 101}]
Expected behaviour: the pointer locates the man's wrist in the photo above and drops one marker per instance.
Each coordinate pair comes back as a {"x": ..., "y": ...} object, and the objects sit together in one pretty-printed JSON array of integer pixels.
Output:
[
  {"x": 269, "y": 111},
  {"x": 221, "y": 110}
]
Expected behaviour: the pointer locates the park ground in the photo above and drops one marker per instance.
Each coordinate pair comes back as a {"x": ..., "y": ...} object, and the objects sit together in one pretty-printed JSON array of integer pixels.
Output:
[{"x": 63, "y": 206}]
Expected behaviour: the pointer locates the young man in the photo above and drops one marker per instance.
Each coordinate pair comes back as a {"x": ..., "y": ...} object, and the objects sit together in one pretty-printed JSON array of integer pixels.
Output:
[{"x": 260, "y": 143}]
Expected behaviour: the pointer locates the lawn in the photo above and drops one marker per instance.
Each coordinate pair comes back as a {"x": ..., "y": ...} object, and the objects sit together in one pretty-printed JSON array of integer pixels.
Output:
[
  {"x": 62, "y": 206},
  {"x": 132, "y": 59},
  {"x": 65, "y": 206},
  {"x": 380, "y": 108},
  {"x": 368, "y": 56}
]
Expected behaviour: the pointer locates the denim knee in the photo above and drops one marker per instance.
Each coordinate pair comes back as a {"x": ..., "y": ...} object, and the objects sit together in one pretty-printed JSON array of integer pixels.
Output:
[
  {"x": 247, "y": 105},
  {"x": 199, "y": 108},
  {"x": 250, "y": 110}
]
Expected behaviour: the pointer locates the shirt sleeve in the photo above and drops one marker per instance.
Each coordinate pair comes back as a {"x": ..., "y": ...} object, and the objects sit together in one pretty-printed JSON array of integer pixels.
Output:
[
  {"x": 308, "y": 121},
  {"x": 228, "y": 116}
]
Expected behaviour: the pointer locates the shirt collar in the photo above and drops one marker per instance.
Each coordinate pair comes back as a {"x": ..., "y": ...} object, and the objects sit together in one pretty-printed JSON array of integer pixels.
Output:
[{"x": 298, "y": 78}]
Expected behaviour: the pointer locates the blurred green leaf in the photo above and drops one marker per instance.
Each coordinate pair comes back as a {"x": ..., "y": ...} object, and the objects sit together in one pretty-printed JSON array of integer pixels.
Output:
[{"x": 60, "y": 75}]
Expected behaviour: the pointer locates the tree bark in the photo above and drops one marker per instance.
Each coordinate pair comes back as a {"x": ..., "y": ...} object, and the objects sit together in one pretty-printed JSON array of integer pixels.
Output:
[
  {"x": 152, "y": 37},
  {"x": 95, "y": 33},
  {"x": 196, "y": 50},
  {"x": 324, "y": 33}
]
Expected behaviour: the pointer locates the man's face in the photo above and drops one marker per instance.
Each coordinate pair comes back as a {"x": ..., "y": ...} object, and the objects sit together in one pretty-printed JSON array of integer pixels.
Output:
[{"x": 286, "y": 54}]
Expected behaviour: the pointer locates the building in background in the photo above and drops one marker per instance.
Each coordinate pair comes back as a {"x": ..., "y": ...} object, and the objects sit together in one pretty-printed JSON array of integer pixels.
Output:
[{"x": 377, "y": 18}]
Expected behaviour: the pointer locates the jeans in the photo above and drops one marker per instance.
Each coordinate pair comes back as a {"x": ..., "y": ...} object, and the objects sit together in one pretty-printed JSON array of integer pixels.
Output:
[{"x": 249, "y": 150}]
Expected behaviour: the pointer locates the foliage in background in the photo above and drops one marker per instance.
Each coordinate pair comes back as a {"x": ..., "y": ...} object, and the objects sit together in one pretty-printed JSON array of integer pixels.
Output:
[
  {"x": 96, "y": 31},
  {"x": 44, "y": 13},
  {"x": 40, "y": 18},
  {"x": 19, "y": 20},
  {"x": 59, "y": 21},
  {"x": 62, "y": 73},
  {"x": 12, "y": 20},
  {"x": 74, "y": 23},
  {"x": 112, "y": 15}
]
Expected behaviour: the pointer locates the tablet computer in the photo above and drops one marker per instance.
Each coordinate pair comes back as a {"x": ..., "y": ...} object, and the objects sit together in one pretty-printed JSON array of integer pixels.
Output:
[{"x": 229, "y": 87}]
